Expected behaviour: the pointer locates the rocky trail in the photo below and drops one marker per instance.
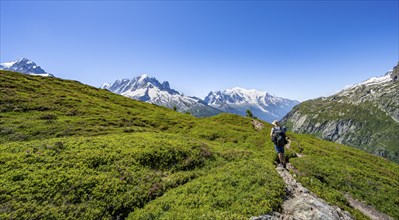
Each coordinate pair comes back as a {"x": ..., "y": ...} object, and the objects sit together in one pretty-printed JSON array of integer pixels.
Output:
[{"x": 301, "y": 204}]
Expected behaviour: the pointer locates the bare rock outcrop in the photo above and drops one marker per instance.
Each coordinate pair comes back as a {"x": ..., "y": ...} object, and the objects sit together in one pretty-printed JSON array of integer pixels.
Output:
[{"x": 301, "y": 204}]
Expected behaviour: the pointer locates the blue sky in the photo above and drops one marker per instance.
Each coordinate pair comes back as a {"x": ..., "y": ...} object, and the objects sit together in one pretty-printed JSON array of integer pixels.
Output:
[{"x": 294, "y": 49}]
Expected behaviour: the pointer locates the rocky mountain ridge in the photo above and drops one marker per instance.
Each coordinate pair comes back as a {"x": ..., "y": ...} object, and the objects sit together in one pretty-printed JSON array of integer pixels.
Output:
[
  {"x": 262, "y": 104},
  {"x": 149, "y": 89},
  {"x": 236, "y": 100},
  {"x": 365, "y": 116},
  {"x": 25, "y": 66}
]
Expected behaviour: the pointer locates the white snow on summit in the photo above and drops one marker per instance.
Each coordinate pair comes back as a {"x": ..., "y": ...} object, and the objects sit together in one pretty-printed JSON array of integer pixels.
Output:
[
  {"x": 135, "y": 93},
  {"x": 8, "y": 64},
  {"x": 149, "y": 89},
  {"x": 106, "y": 85},
  {"x": 262, "y": 104},
  {"x": 251, "y": 95},
  {"x": 142, "y": 77},
  {"x": 42, "y": 74},
  {"x": 25, "y": 66},
  {"x": 372, "y": 81}
]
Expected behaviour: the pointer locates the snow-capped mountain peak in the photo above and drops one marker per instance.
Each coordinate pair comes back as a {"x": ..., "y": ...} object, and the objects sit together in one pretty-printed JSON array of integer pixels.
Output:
[
  {"x": 149, "y": 89},
  {"x": 373, "y": 80},
  {"x": 143, "y": 77},
  {"x": 8, "y": 64},
  {"x": 245, "y": 92},
  {"x": 25, "y": 66},
  {"x": 135, "y": 87},
  {"x": 378, "y": 81},
  {"x": 263, "y": 105}
]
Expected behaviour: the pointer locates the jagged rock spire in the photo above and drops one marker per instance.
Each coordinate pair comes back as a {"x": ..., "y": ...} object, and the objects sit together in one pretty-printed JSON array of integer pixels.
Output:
[{"x": 395, "y": 72}]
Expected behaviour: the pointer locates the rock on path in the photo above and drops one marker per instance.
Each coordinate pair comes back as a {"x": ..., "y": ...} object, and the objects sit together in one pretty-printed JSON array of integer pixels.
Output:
[{"x": 300, "y": 204}]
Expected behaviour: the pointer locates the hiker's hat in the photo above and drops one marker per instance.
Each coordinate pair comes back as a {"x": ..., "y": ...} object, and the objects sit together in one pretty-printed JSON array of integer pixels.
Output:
[{"x": 275, "y": 123}]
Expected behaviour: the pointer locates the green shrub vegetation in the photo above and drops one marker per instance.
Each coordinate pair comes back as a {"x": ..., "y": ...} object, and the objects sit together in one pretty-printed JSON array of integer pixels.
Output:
[
  {"x": 71, "y": 151},
  {"x": 94, "y": 177},
  {"x": 237, "y": 190},
  {"x": 375, "y": 129},
  {"x": 332, "y": 171}
]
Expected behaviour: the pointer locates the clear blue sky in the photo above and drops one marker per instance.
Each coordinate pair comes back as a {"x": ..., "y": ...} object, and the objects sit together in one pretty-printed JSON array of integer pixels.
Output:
[{"x": 294, "y": 49}]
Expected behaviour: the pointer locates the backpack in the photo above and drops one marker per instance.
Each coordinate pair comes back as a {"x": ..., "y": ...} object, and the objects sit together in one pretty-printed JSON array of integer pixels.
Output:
[{"x": 279, "y": 137}]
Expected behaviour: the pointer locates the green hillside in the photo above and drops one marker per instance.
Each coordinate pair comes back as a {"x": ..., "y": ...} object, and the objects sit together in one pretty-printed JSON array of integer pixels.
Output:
[
  {"x": 71, "y": 151},
  {"x": 364, "y": 116},
  {"x": 367, "y": 127}
]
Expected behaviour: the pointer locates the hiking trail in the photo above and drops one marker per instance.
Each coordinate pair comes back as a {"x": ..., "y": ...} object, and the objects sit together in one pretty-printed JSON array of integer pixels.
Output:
[{"x": 301, "y": 204}]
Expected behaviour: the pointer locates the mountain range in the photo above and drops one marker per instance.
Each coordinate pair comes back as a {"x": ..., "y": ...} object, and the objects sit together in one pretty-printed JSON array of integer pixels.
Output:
[
  {"x": 149, "y": 89},
  {"x": 236, "y": 100},
  {"x": 25, "y": 66},
  {"x": 364, "y": 115},
  {"x": 263, "y": 105}
]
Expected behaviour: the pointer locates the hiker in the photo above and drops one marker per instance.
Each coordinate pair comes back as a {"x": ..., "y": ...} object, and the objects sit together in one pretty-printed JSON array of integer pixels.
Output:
[{"x": 278, "y": 137}]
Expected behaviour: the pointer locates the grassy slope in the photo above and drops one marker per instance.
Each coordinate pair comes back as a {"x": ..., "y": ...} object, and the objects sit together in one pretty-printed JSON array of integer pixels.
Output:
[
  {"x": 332, "y": 170},
  {"x": 87, "y": 153},
  {"x": 72, "y": 151},
  {"x": 372, "y": 124}
]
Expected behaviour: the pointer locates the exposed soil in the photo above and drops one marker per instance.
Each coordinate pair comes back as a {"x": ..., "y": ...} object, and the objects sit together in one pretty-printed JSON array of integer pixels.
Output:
[
  {"x": 367, "y": 210},
  {"x": 257, "y": 124},
  {"x": 301, "y": 204}
]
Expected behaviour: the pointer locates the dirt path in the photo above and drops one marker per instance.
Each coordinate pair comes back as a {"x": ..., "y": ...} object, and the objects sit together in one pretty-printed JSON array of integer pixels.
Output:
[
  {"x": 367, "y": 210},
  {"x": 301, "y": 204}
]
